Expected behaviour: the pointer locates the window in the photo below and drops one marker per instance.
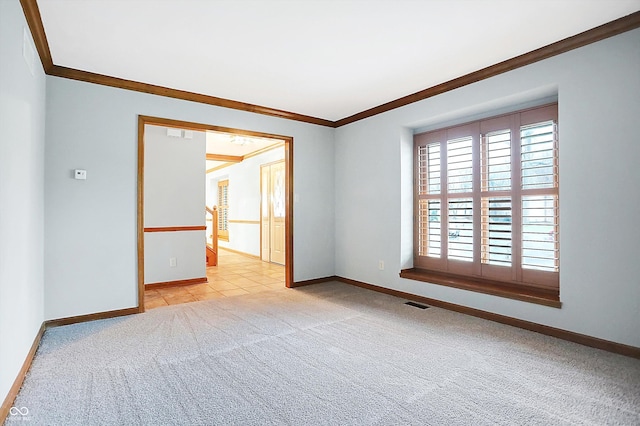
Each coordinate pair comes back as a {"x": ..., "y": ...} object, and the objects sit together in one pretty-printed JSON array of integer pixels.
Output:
[
  {"x": 486, "y": 205},
  {"x": 223, "y": 210}
]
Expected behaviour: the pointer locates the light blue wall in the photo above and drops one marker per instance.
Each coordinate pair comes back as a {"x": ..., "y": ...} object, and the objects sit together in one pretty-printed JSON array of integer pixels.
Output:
[
  {"x": 598, "y": 87},
  {"x": 22, "y": 109},
  {"x": 90, "y": 227}
]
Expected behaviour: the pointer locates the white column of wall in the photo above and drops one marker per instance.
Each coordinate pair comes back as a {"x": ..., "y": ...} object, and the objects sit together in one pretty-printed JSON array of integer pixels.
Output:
[
  {"x": 22, "y": 149},
  {"x": 174, "y": 196}
]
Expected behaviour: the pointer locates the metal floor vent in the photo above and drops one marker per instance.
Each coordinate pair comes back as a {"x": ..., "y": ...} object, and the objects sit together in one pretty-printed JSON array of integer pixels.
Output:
[{"x": 416, "y": 305}]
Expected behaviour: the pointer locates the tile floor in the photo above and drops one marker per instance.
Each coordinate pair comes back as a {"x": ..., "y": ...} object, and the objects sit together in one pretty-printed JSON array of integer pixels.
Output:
[{"x": 235, "y": 274}]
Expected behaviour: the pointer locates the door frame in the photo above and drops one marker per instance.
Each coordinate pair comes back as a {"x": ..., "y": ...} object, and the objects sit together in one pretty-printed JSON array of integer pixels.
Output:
[{"x": 187, "y": 125}]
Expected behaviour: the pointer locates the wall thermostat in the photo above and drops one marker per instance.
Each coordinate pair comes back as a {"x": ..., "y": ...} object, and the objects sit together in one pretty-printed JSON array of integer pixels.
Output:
[{"x": 80, "y": 174}]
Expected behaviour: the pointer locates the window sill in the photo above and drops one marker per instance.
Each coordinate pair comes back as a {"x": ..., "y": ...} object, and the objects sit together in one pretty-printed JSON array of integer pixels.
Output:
[{"x": 547, "y": 297}]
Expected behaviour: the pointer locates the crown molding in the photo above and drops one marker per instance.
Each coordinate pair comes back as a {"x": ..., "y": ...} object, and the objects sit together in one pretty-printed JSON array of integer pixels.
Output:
[
  {"x": 34, "y": 20},
  {"x": 105, "y": 80},
  {"x": 602, "y": 32}
]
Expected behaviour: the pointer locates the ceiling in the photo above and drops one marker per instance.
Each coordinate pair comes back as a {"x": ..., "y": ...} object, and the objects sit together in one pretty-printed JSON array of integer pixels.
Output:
[{"x": 328, "y": 59}]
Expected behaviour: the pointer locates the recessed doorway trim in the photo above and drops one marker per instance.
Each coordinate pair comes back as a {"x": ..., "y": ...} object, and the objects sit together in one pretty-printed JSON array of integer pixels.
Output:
[{"x": 186, "y": 125}]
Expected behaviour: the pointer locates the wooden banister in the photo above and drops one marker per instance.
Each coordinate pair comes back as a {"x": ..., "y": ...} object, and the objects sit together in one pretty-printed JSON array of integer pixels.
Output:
[{"x": 212, "y": 250}]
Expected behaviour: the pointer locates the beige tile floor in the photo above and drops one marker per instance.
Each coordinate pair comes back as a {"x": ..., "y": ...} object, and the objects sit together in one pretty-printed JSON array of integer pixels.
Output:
[{"x": 235, "y": 274}]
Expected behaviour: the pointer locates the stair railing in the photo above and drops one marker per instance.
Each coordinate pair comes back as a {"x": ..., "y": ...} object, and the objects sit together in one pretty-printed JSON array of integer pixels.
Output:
[{"x": 212, "y": 250}]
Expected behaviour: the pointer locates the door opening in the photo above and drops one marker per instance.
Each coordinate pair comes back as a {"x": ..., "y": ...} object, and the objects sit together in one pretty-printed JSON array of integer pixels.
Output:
[{"x": 282, "y": 187}]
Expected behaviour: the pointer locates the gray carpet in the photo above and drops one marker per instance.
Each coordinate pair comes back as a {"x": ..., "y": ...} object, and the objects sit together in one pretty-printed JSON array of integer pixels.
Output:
[{"x": 328, "y": 354}]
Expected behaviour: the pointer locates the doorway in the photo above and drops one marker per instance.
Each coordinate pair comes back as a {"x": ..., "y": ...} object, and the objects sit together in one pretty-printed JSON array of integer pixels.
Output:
[{"x": 285, "y": 188}]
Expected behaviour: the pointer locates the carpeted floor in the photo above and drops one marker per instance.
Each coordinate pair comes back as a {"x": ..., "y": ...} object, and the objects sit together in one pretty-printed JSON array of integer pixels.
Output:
[{"x": 328, "y": 354}]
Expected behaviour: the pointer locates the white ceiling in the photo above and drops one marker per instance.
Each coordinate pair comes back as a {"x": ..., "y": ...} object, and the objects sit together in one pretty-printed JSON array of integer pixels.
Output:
[{"x": 324, "y": 58}]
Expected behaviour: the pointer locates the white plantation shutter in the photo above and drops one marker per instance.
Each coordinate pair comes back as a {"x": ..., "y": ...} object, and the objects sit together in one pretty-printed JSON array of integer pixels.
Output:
[
  {"x": 539, "y": 232},
  {"x": 490, "y": 201},
  {"x": 423, "y": 170},
  {"x": 429, "y": 187},
  {"x": 429, "y": 169},
  {"x": 435, "y": 228},
  {"x": 423, "y": 225},
  {"x": 223, "y": 209},
  {"x": 429, "y": 237},
  {"x": 496, "y": 231},
  {"x": 460, "y": 227},
  {"x": 539, "y": 178},
  {"x": 496, "y": 215},
  {"x": 459, "y": 165},
  {"x": 496, "y": 161},
  {"x": 539, "y": 156}
]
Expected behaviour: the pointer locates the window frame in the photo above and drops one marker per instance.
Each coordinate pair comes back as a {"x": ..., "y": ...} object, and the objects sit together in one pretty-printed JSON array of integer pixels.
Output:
[{"x": 478, "y": 275}]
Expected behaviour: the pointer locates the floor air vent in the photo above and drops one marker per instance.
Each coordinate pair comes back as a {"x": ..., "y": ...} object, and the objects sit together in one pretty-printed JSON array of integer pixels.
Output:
[{"x": 416, "y": 305}]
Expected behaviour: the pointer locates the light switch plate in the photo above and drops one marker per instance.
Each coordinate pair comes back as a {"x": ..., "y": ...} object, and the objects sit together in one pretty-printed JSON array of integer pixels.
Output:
[{"x": 80, "y": 174}]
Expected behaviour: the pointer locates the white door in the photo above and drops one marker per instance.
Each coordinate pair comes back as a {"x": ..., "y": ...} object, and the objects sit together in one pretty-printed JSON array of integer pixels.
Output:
[{"x": 273, "y": 212}]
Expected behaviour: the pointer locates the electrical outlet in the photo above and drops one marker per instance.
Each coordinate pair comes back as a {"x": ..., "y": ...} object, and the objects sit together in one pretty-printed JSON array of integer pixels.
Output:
[
  {"x": 173, "y": 262},
  {"x": 381, "y": 265}
]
